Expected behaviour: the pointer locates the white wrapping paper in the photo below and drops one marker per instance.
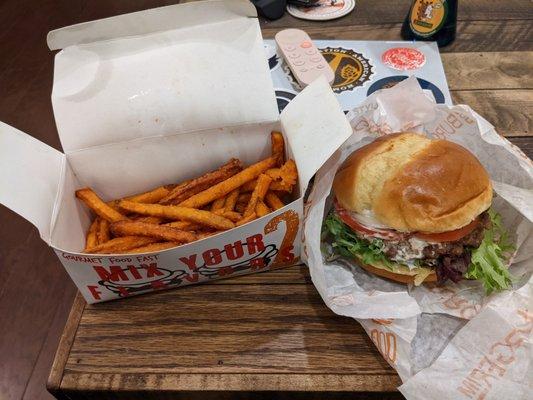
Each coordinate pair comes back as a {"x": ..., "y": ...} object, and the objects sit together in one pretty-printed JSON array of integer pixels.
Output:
[{"x": 450, "y": 342}]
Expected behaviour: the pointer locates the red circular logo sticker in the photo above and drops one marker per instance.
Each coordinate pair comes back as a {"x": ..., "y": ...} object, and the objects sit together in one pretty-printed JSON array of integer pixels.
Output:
[{"x": 403, "y": 58}]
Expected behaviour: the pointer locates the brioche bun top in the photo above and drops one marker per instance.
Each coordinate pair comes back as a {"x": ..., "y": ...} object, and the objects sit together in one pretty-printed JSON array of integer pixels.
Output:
[{"x": 413, "y": 183}]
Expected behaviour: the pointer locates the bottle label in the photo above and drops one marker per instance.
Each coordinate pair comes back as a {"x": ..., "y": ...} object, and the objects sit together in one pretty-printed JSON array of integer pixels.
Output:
[{"x": 427, "y": 16}]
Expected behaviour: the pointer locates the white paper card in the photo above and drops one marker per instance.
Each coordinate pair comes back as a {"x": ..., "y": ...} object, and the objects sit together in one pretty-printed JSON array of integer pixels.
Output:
[
  {"x": 208, "y": 73},
  {"x": 314, "y": 110},
  {"x": 30, "y": 177}
]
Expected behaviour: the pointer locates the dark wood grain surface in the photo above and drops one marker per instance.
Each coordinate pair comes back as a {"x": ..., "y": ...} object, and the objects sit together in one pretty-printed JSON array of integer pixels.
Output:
[{"x": 290, "y": 341}]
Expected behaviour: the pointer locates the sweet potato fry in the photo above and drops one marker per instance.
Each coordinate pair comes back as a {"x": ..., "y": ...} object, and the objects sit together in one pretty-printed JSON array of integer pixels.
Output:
[
  {"x": 278, "y": 147},
  {"x": 205, "y": 234},
  {"x": 283, "y": 179},
  {"x": 178, "y": 213},
  {"x": 248, "y": 187},
  {"x": 261, "y": 209},
  {"x": 275, "y": 185},
  {"x": 281, "y": 187},
  {"x": 274, "y": 173},
  {"x": 185, "y": 191},
  {"x": 273, "y": 201},
  {"x": 103, "y": 233},
  {"x": 120, "y": 245},
  {"x": 152, "y": 247},
  {"x": 230, "y": 184},
  {"x": 149, "y": 220},
  {"x": 231, "y": 200},
  {"x": 218, "y": 204},
  {"x": 263, "y": 182},
  {"x": 152, "y": 196},
  {"x": 114, "y": 205},
  {"x": 231, "y": 215},
  {"x": 247, "y": 219},
  {"x": 96, "y": 204},
  {"x": 289, "y": 173},
  {"x": 185, "y": 225},
  {"x": 160, "y": 232},
  {"x": 92, "y": 234},
  {"x": 245, "y": 197}
]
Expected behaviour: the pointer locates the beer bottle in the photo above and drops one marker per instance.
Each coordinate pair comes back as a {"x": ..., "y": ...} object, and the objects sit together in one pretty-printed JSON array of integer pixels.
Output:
[{"x": 431, "y": 20}]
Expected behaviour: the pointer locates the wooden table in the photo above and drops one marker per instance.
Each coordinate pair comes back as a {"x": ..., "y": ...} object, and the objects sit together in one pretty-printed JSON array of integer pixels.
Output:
[{"x": 265, "y": 332}]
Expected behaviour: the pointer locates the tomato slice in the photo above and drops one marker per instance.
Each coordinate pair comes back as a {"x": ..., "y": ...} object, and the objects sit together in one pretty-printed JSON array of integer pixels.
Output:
[
  {"x": 386, "y": 234},
  {"x": 450, "y": 236}
]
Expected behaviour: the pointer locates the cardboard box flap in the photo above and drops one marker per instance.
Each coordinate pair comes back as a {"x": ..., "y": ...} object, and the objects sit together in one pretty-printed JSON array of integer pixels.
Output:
[
  {"x": 315, "y": 110},
  {"x": 209, "y": 72},
  {"x": 150, "y": 21},
  {"x": 30, "y": 177}
]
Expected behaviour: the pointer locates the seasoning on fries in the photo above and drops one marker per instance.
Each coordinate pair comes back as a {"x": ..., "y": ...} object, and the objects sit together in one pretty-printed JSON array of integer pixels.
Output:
[
  {"x": 153, "y": 196},
  {"x": 273, "y": 201},
  {"x": 263, "y": 182},
  {"x": 230, "y": 184},
  {"x": 153, "y": 247},
  {"x": 171, "y": 215},
  {"x": 261, "y": 209},
  {"x": 231, "y": 200},
  {"x": 187, "y": 189},
  {"x": 92, "y": 234},
  {"x": 103, "y": 233},
  {"x": 121, "y": 244},
  {"x": 132, "y": 228},
  {"x": 278, "y": 147},
  {"x": 218, "y": 204},
  {"x": 178, "y": 213},
  {"x": 96, "y": 204}
]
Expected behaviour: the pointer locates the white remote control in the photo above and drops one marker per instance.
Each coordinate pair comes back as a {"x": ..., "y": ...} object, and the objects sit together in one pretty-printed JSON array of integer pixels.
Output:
[{"x": 304, "y": 59}]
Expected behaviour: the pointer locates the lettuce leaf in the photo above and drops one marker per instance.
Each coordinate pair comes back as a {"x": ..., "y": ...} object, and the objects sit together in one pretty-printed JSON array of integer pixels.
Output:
[
  {"x": 347, "y": 244},
  {"x": 488, "y": 263}
]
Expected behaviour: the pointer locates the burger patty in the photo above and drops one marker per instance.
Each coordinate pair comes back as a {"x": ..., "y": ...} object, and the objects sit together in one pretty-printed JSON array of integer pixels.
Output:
[
  {"x": 457, "y": 248},
  {"x": 450, "y": 259}
]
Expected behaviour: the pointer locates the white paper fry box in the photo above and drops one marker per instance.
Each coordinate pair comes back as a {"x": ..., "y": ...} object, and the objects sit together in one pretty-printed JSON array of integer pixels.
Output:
[{"x": 158, "y": 97}]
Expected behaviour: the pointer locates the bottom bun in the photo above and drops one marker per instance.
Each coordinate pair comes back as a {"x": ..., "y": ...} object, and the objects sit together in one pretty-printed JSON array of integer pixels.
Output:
[{"x": 401, "y": 273}]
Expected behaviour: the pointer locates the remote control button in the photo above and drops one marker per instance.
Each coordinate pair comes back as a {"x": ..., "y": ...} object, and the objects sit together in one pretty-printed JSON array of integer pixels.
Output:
[
  {"x": 303, "y": 69},
  {"x": 306, "y": 45},
  {"x": 320, "y": 66},
  {"x": 294, "y": 55},
  {"x": 310, "y": 52},
  {"x": 299, "y": 63},
  {"x": 289, "y": 48},
  {"x": 316, "y": 59}
]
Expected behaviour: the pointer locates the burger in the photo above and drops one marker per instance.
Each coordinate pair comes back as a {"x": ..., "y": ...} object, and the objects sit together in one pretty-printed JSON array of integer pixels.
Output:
[{"x": 412, "y": 209}]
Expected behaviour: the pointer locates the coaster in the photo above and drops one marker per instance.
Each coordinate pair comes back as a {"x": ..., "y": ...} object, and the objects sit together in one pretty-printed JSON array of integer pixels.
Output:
[
  {"x": 352, "y": 69},
  {"x": 272, "y": 56},
  {"x": 403, "y": 58},
  {"x": 328, "y": 9},
  {"x": 283, "y": 97},
  {"x": 391, "y": 81}
]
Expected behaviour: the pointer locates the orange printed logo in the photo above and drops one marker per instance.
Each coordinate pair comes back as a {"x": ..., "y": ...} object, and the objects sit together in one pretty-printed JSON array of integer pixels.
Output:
[
  {"x": 383, "y": 321},
  {"x": 292, "y": 222},
  {"x": 386, "y": 344},
  {"x": 494, "y": 365},
  {"x": 453, "y": 121},
  {"x": 452, "y": 301}
]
